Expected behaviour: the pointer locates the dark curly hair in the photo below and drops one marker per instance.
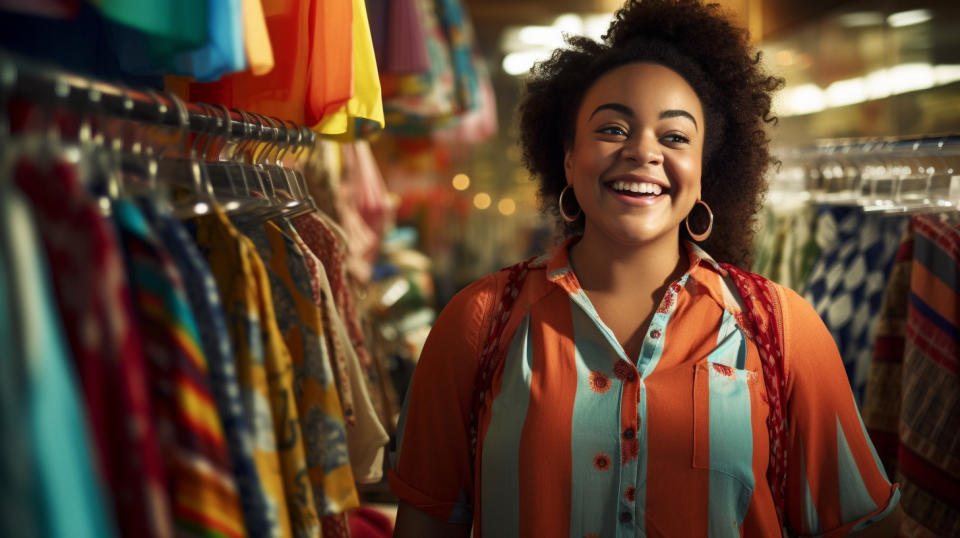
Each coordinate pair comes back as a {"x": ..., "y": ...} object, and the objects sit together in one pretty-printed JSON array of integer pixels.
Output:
[{"x": 698, "y": 42}]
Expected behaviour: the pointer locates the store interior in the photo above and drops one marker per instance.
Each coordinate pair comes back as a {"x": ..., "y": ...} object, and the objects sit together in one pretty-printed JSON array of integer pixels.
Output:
[{"x": 384, "y": 134}]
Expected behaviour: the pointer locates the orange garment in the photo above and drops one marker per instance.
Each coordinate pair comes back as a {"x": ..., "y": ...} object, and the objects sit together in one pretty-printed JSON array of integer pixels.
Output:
[
  {"x": 256, "y": 40},
  {"x": 312, "y": 63},
  {"x": 580, "y": 440}
]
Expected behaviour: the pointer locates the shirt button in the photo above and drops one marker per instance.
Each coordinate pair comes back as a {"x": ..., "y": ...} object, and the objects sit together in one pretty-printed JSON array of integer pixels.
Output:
[
  {"x": 628, "y": 433},
  {"x": 655, "y": 334},
  {"x": 626, "y": 517}
]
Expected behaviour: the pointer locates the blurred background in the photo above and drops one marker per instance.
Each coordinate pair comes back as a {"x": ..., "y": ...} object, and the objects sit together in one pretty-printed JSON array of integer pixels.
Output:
[{"x": 377, "y": 138}]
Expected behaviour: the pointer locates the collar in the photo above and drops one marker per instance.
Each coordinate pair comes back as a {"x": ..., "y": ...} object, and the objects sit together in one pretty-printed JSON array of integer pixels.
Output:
[{"x": 559, "y": 271}]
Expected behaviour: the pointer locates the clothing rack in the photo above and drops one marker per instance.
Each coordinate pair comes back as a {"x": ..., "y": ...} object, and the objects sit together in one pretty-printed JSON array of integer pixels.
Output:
[
  {"x": 890, "y": 175},
  {"x": 23, "y": 78}
]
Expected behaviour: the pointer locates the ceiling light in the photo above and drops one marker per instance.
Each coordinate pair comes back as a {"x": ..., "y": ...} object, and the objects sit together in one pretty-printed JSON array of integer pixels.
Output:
[
  {"x": 461, "y": 182},
  {"x": 860, "y": 19},
  {"x": 481, "y": 200},
  {"x": 519, "y": 63},
  {"x": 909, "y": 18}
]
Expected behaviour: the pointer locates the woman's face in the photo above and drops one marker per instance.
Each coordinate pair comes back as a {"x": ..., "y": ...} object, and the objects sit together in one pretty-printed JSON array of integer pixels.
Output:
[{"x": 637, "y": 153}]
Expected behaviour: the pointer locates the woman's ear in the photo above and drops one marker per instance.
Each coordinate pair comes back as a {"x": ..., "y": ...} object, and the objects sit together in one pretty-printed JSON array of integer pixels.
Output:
[{"x": 568, "y": 163}]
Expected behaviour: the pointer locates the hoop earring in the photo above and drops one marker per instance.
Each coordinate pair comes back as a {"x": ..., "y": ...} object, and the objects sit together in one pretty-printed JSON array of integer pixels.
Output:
[
  {"x": 700, "y": 236},
  {"x": 563, "y": 214}
]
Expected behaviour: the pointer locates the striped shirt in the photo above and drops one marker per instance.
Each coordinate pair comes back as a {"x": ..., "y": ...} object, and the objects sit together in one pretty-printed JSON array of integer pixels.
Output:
[{"x": 580, "y": 440}]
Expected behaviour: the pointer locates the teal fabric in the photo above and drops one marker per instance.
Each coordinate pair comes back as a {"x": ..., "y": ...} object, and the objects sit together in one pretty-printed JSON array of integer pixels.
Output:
[
  {"x": 224, "y": 51},
  {"x": 68, "y": 492}
]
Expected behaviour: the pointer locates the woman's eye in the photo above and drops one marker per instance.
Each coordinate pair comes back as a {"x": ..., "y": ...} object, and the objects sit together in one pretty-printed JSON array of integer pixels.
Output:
[
  {"x": 677, "y": 139},
  {"x": 613, "y": 130}
]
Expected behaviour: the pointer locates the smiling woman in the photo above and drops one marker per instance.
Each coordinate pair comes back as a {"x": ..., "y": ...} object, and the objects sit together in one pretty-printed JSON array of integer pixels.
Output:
[{"x": 629, "y": 383}]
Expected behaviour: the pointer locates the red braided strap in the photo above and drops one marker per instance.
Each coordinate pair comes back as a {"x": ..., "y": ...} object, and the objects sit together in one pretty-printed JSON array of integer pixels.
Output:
[
  {"x": 489, "y": 357},
  {"x": 765, "y": 320}
]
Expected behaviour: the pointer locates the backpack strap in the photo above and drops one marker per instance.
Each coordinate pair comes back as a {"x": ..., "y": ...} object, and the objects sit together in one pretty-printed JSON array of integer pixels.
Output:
[
  {"x": 490, "y": 356},
  {"x": 764, "y": 319}
]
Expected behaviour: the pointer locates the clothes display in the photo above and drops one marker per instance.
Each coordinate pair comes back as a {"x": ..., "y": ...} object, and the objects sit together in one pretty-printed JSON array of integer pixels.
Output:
[
  {"x": 912, "y": 390},
  {"x": 189, "y": 347},
  {"x": 597, "y": 412}
]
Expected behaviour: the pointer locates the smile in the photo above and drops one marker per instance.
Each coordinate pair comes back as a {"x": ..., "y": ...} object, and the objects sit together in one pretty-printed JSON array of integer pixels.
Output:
[{"x": 632, "y": 188}]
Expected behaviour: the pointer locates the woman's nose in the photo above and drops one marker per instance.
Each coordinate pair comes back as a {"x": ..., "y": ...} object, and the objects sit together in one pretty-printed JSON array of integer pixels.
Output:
[{"x": 644, "y": 149}]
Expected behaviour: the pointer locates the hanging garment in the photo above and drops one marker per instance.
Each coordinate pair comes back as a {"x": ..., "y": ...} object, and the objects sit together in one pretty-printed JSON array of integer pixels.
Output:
[
  {"x": 177, "y": 24},
  {"x": 256, "y": 40},
  {"x": 928, "y": 462},
  {"x": 92, "y": 290},
  {"x": 224, "y": 51},
  {"x": 847, "y": 281},
  {"x": 282, "y": 92},
  {"x": 201, "y": 291},
  {"x": 331, "y": 485},
  {"x": 204, "y": 497},
  {"x": 459, "y": 38},
  {"x": 316, "y": 274},
  {"x": 69, "y": 499},
  {"x": 366, "y": 435},
  {"x": 83, "y": 44},
  {"x": 328, "y": 243},
  {"x": 416, "y": 105},
  {"x": 883, "y": 393},
  {"x": 368, "y": 190},
  {"x": 19, "y": 514},
  {"x": 331, "y": 80},
  {"x": 362, "y": 115},
  {"x": 260, "y": 372}
]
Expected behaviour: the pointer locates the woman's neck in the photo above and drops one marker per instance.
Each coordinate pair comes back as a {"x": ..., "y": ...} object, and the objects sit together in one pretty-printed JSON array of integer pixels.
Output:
[{"x": 608, "y": 267}]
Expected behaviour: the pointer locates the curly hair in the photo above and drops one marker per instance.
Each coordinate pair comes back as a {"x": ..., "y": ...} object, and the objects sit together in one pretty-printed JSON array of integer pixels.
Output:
[{"x": 699, "y": 43}]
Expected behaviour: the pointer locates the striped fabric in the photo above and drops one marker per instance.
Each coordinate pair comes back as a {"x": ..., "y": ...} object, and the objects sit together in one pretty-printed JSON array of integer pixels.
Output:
[
  {"x": 929, "y": 453},
  {"x": 201, "y": 291},
  {"x": 236, "y": 266},
  {"x": 204, "y": 497},
  {"x": 580, "y": 440}
]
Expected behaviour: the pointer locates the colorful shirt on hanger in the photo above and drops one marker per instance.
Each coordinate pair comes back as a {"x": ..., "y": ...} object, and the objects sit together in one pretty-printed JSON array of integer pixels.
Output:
[
  {"x": 362, "y": 115},
  {"x": 321, "y": 416},
  {"x": 91, "y": 286},
  {"x": 70, "y": 497},
  {"x": 202, "y": 489},
  {"x": 929, "y": 454},
  {"x": 579, "y": 439},
  {"x": 201, "y": 291},
  {"x": 260, "y": 371},
  {"x": 846, "y": 284}
]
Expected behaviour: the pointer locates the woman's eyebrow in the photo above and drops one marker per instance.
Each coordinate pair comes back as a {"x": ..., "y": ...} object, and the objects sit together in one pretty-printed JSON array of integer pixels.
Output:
[
  {"x": 627, "y": 111},
  {"x": 673, "y": 113},
  {"x": 616, "y": 107}
]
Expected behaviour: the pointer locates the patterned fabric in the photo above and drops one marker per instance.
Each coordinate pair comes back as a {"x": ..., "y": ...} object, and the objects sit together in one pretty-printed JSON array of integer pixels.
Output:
[
  {"x": 884, "y": 391},
  {"x": 786, "y": 249},
  {"x": 331, "y": 487},
  {"x": 846, "y": 284},
  {"x": 567, "y": 385},
  {"x": 366, "y": 435},
  {"x": 204, "y": 497},
  {"x": 69, "y": 496},
  {"x": 316, "y": 273},
  {"x": 326, "y": 241},
  {"x": 262, "y": 364},
  {"x": 929, "y": 457},
  {"x": 201, "y": 291},
  {"x": 91, "y": 287}
]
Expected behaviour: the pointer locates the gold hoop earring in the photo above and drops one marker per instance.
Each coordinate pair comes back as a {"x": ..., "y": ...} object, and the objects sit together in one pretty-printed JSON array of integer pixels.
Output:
[
  {"x": 700, "y": 236},
  {"x": 563, "y": 213}
]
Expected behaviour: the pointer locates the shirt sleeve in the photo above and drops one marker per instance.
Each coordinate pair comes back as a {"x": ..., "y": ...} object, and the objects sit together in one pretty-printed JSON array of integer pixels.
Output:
[
  {"x": 433, "y": 472},
  {"x": 835, "y": 481}
]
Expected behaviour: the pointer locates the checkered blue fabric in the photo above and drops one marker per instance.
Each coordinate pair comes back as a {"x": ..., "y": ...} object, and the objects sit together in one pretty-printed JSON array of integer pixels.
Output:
[{"x": 846, "y": 283}]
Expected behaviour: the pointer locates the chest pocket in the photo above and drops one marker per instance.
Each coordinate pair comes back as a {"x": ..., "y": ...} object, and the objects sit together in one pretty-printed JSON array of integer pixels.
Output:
[{"x": 728, "y": 400}]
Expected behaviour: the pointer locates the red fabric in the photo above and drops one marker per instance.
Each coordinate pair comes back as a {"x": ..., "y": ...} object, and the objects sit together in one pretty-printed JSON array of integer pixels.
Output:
[
  {"x": 369, "y": 523},
  {"x": 330, "y": 77},
  {"x": 94, "y": 296}
]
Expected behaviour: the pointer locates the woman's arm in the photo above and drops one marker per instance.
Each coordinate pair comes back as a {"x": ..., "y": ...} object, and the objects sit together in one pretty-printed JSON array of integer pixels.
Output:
[{"x": 412, "y": 523}]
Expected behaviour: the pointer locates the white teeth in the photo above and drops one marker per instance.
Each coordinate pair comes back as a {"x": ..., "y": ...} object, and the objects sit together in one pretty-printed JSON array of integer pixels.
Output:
[{"x": 639, "y": 188}]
